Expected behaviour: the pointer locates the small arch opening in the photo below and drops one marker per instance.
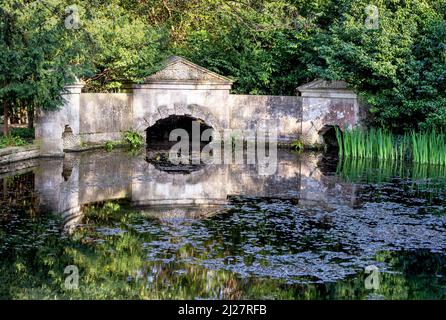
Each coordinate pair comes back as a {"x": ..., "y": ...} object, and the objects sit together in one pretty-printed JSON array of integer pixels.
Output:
[
  {"x": 68, "y": 137},
  {"x": 67, "y": 130},
  {"x": 328, "y": 134},
  {"x": 158, "y": 134}
]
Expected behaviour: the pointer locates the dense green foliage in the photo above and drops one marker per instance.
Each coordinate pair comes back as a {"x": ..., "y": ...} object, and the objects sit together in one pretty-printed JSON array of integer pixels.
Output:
[
  {"x": 24, "y": 133},
  {"x": 11, "y": 141},
  {"x": 269, "y": 47},
  {"x": 400, "y": 68},
  {"x": 17, "y": 137},
  {"x": 45, "y": 45},
  {"x": 35, "y": 54}
]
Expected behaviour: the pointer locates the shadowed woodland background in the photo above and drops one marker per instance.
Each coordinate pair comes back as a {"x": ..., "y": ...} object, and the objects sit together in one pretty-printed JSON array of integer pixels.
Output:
[{"x": 267, "y": 47}]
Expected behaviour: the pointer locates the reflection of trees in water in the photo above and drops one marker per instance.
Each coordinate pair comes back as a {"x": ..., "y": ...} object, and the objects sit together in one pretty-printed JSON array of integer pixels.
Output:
[
  {"x": 376, "y": 171},
  {"x": 111, "y": 248},
  {"x": 113, "y": 262},
  {"x": 401, "y": 181},
  {"x": 17, "y": 194}
]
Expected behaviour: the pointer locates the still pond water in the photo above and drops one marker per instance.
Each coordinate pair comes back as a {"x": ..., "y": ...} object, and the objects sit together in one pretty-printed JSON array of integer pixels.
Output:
[{"x": 137, "y": 229}]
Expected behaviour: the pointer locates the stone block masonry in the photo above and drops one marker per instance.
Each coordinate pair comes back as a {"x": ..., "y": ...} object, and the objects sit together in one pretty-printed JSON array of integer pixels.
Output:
[{"x": 103, "y": 116}]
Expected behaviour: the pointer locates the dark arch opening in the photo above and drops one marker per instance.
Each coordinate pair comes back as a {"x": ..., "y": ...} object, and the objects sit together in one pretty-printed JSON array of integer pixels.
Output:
[
  {"x": 328, "y": 134},
  {"x": 158, "y": 134},
  {"x": 67, "y": 131},
  {"x": 68, "y": 138}
]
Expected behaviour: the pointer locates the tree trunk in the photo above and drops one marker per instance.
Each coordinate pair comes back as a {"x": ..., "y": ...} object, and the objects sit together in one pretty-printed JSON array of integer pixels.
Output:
[
  {"x": 5, "y": 118},
  {"x": 30, "y": 117}
]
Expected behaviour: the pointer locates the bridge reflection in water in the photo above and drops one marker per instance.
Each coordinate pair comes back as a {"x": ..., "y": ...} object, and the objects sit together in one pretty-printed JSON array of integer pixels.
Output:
[{"x": 65, "y": 185}]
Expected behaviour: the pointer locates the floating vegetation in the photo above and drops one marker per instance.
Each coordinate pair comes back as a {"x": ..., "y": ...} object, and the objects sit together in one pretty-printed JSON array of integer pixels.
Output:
[
  {"x": 258, "y": 247},
  {"x": 421, "y": 147}
]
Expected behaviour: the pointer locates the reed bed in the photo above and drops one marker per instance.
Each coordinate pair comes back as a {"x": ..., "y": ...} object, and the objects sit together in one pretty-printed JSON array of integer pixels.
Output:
[{"x": 420, "y": 147}]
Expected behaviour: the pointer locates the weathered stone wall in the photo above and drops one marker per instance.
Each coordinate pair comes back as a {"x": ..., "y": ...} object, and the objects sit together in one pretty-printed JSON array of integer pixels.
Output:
[
  {"x": 100, "y": 117},
  {"x": 51, "y": 125},
  {"x": 327, "y": 103},
  {"x": 152, "y": 103},
  {"x": 219, "y": 109},
  {"x": 183, "y": 88},
  {"x": 281, "y": 113},
  {"x": 103, "y": 116}
]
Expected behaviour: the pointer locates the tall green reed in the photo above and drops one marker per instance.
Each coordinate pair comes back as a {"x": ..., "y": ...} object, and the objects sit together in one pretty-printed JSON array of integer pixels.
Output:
[
  {"x": 429, "y": 147},
  {"x": 420, "y": 147}
]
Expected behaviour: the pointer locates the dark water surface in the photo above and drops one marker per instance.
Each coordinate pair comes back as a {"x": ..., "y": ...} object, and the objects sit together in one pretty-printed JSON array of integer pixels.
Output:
[{"x": 135, "y": 229}]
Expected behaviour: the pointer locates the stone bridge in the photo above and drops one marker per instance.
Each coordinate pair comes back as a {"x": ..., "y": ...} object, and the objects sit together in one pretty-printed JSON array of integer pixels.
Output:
[{"x": 184, "y": 89}]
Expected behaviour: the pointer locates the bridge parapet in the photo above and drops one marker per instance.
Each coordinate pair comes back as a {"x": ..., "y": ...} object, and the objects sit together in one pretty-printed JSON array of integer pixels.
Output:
[{"x": 183, "y": 88}]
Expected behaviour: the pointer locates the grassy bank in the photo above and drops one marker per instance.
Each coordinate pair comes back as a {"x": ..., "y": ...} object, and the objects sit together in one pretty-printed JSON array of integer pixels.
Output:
[
  {"x": 420, "y": 147},
  {"x": 11, "y": 141},
  {"x": 17, "y": 137}
]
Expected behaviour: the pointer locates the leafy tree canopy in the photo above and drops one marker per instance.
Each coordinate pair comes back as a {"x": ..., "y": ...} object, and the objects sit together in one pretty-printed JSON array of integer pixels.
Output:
[{"x": 393, "y": 54}]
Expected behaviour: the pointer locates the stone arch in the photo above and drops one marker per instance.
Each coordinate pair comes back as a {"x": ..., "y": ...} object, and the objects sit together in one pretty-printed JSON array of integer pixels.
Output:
[
  {"x": 191, "y": 110},
  {"x": 327, "y": 135},
  {"x": 158, "y": 133}
]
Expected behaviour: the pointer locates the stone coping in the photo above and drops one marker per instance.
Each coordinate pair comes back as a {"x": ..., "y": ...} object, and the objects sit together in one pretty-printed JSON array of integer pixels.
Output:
[
  {"x": 32, "y": 151},
  {"x": 18, "y": 167},
  {"x": 13, "y": 154},
  {"x": 13, "y": 150},
  {"x": 94, "y": 146}
]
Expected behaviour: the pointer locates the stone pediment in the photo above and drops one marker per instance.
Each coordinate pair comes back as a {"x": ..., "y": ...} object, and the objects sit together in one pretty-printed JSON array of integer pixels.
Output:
[
  {"x": 325, "y": 88},
  {"x": 324, "y": 85},
  {"x": 180, "y": 70}
]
